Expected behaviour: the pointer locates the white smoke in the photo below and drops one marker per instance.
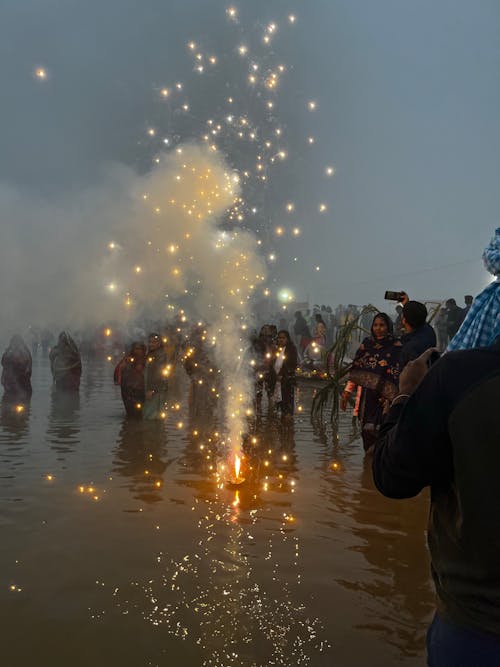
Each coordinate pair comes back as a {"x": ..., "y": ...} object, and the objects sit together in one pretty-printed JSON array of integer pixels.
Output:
[{"x": 107, "y": 253}]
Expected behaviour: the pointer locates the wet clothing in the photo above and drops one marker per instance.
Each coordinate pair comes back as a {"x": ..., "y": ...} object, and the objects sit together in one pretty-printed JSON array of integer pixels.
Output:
[
  {"x": 66, "y": 363},
  {"x": 447, "y": 436},
  {"x": 416, "y": 342},
  {"x": 16, "y": 368}
]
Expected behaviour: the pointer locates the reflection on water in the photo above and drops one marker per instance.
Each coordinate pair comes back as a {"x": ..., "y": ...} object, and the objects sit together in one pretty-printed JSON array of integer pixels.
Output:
[
  {"x": 63, "y": 431},
  {"x": 130, "y": 553},
  {"x": 140, "y": 458}
]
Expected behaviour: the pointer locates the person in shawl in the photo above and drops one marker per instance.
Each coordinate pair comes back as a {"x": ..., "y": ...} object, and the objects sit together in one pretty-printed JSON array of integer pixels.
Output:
[
  {"x": 130, "y": 375},
  {"x": 16, "y": 368},
  {"x": 375, "y": 370},
  {"x": 155, "y": 378},
  {"x": 285, "y": 365},
  {"x": 66, "y": 363},
  {"x": 481, "y": 326}
]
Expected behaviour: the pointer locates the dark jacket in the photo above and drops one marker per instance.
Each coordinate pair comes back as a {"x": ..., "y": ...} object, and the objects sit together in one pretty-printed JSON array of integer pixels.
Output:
[
  {"x": 447, "y": 436},
  {"x": 416, "y": 342}
]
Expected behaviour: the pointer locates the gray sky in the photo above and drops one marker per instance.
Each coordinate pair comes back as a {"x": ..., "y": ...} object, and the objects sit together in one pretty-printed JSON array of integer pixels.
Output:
[{"x": 408, "y": 108}]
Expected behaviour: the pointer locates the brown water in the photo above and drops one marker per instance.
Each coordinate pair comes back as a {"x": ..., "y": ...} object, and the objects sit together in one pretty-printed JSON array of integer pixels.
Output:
[{"x": 131, "y": 556}]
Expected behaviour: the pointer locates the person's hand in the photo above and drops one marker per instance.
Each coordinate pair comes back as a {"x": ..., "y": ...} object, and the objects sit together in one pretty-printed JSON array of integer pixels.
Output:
[
  {"x": 344, "y": 400},
  {"x": 414, "y": 372},
  {"x": 404, "y": 298}
]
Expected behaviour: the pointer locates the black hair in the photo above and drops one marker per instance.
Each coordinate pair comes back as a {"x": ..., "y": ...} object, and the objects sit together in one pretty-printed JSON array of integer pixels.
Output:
[
  {"x": 287, "y": 334},
  {"x": 415, "y": 313},
  {"x": 387, "y": 320}
]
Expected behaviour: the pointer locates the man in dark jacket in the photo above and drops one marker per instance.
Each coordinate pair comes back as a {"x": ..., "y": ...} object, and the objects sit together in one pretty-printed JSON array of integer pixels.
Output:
[
  {"x": 419, "y": 335},
  {"x": 443, "y": 431}
]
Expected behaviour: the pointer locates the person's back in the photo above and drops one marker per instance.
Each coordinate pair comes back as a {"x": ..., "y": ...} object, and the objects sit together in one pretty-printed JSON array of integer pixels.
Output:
[
  {"x": 447, "y": 436},
  {"x": 419, "y": 334},
  {"x": 464, "y": 526}
]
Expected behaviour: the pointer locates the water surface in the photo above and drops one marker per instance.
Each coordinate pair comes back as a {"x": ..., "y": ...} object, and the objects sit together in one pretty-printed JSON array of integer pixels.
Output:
[{"x": 118, "y": 547}]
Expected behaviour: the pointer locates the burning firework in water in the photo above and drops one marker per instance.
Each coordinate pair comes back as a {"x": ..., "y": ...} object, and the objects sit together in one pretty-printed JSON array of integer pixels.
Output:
[{"x": 198, "y": 226}]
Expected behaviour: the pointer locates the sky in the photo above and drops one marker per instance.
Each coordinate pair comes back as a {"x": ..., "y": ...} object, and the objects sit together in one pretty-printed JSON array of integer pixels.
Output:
[{"x": 407, "y": 113}]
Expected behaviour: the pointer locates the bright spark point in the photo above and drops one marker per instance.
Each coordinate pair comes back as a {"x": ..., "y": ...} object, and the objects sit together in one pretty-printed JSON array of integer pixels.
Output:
[
  {"x": 192, "y": 46},
  {"x": 329, "y": 171},
  {"x": 232, "y": 12},
  {"x": 296, "y": 231},
  {"x": 322, "y": 208},
  {"x": 312, "y": 105},
  {"x": 310, "y": 140},
  {"x": 165, "y": 92},
  {"x": 317, "y": 268},
  {"x": 292, "y": 18},
  {"x": 242, "y": 50},
  {"x": 279, "y": 231},
  {"x": 272, "y": 257},
  {"x": 151, "y": 132},
  {"x": 290, "y": 207},
  {"x": 41, "y": 73}
]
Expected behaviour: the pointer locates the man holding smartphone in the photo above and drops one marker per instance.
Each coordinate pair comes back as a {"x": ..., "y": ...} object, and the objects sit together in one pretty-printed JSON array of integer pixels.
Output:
[{"x": 419, "y": 335}]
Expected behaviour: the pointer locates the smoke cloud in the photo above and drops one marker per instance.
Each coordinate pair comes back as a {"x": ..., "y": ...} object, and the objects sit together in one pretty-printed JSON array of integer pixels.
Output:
[{"x": 137, "y": 244}]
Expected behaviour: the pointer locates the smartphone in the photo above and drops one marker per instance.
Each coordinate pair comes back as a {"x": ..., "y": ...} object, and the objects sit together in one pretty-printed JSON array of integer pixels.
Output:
[{"x": 393, "y": 296}]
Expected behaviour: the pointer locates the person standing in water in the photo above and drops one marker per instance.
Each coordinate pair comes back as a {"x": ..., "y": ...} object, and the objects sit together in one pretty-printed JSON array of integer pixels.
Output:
[
  {"x": 376, "y": 369},
  {"x": 16, "y": 368},
  {"x": 285, "y": 365},
  {"x": 66, "y": 363},
  {"x": 155, "y": 378},
  {"x": 129, "y": 374}
]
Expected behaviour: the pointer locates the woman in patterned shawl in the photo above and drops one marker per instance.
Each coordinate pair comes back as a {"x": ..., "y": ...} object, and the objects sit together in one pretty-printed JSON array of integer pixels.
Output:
[{"x": 375, "y": 370}]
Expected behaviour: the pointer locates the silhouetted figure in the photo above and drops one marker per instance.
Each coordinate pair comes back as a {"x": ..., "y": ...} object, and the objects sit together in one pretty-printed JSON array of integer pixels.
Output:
[
  {"x": 16, "y": 369},
  {"x": 155, "y": 378},
  {"x": 129, "y": 374},
  {"x": 66, "y": 363}
]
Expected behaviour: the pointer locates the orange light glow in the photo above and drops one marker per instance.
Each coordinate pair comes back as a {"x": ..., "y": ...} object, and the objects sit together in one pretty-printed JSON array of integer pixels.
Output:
[{"x": 237, "y": 466}]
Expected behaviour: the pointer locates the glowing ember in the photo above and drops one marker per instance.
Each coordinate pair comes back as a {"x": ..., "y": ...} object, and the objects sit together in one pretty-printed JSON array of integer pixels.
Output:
[{"x": 237, "y": 466}]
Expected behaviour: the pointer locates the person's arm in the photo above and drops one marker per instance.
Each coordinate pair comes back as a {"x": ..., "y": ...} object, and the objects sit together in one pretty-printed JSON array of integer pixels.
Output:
[
  {"x": 412, "y": 450},
  {"x": 346, "y": 394}
]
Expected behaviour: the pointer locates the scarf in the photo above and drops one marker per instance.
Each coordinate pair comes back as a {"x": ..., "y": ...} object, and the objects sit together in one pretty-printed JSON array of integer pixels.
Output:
[
  {"x": 481, "y": 326},
  {"x": 376, "y": 366}
]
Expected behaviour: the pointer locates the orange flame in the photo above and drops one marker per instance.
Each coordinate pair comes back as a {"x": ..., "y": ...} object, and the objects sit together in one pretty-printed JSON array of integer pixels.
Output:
[{"x": 237, "y": 466}]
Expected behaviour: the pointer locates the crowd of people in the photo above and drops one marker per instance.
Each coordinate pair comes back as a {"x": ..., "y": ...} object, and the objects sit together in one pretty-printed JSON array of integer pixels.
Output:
[
  {"x": 426, "y": 424},
  {"x": 277, "y": 354}
]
